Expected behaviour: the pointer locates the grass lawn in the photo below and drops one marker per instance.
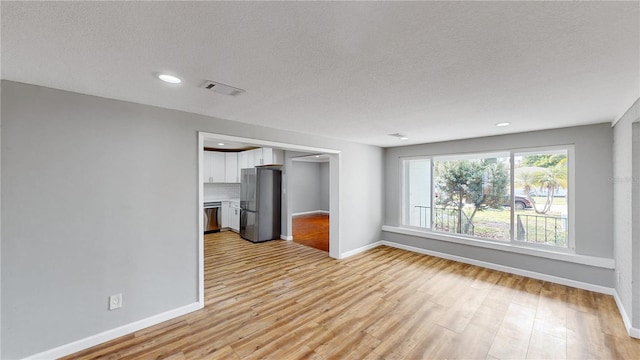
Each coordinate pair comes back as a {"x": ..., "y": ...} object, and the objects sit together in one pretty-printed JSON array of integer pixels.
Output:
[
  {"x": 496, "y": 224},
  {"x": 541, "y": 200}
]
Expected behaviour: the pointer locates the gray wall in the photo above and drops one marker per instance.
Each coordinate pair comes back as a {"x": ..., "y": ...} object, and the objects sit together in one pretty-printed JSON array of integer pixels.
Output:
[
  {"x": 593, "y": 197},
  {"x": 0, "y": 223},
  {"x": 304, "y": 186},
  {"x": 309, "y": 186},
  {"x": 623, "y": 190},
  {"x": 626, "y": 242},
  {"x": 101, "y": 196},
  {"x": 635, "y": 231},
  {"x": 574, "y": 271},
  {"x": 324, "y": 186}
]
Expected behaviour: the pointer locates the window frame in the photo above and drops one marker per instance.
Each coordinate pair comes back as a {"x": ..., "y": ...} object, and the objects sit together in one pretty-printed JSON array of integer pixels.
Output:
[
  {"x": 402, "y": 189},
  {"x": 569, "y": 148}
]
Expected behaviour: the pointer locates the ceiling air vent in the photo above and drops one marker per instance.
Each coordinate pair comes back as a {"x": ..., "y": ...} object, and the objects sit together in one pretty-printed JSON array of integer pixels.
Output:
[
  {"x": 221, "y": 88},
  {"x": 399, "y": 136}
]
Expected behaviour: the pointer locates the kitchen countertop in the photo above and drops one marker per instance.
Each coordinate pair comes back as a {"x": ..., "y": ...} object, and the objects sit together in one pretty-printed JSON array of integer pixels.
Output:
[{"x": 221, "y": 200}]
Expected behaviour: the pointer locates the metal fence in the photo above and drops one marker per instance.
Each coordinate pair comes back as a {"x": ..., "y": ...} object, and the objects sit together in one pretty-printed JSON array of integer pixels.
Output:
[
  {"x": 446, "y": 219},
  {"x": 425, "y": 215},
  {"x": 542, "y": 229}
]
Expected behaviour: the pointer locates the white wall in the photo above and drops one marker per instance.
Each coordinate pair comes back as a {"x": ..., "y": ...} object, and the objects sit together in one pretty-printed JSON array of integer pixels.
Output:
[
  {"x": 593, "y": 200},
  {"x": 622, "y": 197},
  {"x": 214, "y": 192},
  {"x": 101, "y": 196}
]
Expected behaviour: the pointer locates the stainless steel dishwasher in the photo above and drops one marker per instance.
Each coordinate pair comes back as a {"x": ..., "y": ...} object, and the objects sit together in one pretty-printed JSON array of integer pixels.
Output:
[{"x": 212, "y": 216}]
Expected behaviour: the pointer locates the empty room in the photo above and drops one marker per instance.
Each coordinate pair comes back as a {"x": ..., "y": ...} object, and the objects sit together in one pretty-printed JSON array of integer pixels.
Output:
[{"x": 320, "y": 180}]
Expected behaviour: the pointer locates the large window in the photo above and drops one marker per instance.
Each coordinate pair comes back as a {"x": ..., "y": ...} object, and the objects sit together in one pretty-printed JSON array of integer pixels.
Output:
[
  {"x": 541, "y": 180},
  {"x": 509, "y": 196},
  {"x": 417, "y": 194}
]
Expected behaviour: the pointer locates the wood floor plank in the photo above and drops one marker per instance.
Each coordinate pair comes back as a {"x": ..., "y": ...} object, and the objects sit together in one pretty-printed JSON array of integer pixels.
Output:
[
  {"x": 311, "y": 230},
  {"x": 436, "y": 343},
  {"x": 473, "y": 343},
  {"x": 585, "y": 339},
  {"x": 282, "y": 300},
  {"x": 545, "y": 346},
  {"x": 512, "y": 338}
]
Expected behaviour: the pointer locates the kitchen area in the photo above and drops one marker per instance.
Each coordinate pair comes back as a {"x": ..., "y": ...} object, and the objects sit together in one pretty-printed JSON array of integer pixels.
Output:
[{"x": 223, "y": 165}]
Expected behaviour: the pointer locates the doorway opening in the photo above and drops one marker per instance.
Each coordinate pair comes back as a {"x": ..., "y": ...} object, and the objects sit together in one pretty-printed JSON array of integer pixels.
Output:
[
  {"x": 309, "y": 200},
  {"x": 290, "y": 151}
]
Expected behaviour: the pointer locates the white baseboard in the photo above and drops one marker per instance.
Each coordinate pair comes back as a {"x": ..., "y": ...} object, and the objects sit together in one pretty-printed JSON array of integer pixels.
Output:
[
  {"x": 310, "y": 212},
  {"x": 286, "y": 237},
  {"x": 96, "y": 339},
  {"x": 633, "y": 332},
  {"x": 507, "y": 269},
  {"x": 359, "y": 250}
]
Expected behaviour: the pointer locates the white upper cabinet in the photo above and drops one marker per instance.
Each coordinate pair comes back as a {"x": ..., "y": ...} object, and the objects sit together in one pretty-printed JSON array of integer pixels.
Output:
[
  {"x": 267, "y": 156},
  {"x": 206, "y": 167},
  {"x": 243, "y": 161},
  {"x": 256, "y": 157},
  {"x": 213, "y": 163},
  {"x": 276, "y": 156},
  {"x": 224, "y": 167},
  {"x": 231, "y": 168},
  {"x": 220, "y": 167},
  {"x": 264, "y": 156}
]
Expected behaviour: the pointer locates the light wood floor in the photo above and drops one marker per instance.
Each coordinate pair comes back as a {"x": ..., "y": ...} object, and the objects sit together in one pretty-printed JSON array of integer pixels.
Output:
[
  {"x": 282, "y": 300},
  {"x": 312, "y": 230}
]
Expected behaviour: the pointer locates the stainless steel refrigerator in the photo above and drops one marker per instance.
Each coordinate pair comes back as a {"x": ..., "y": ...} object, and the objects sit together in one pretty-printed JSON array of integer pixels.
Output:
[{"x": 260, "y": 203}]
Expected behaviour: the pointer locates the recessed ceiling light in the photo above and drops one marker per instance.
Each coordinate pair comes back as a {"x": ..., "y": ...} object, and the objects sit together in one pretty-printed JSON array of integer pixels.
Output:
[
  {"x": 220, "y": 144},
  {"x": 503, "y": 124},
  {"x": 169, "y": 78},
  {"x": 404, "y": 138},
  {"x": 317, "y": 156}
]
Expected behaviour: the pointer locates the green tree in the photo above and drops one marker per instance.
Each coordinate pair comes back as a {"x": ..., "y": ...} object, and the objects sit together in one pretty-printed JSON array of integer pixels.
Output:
[
  {"x": 528, "y": 180},
  {"x": 481, "y": 183},
  {"x": 544, "y": 161},
  {"x": 548, "y": 180},
  {"x": 551, "y": 179}
]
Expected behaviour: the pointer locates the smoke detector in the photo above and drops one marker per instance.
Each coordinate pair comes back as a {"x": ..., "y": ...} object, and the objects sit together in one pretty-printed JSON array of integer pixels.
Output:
[{"x": 221, "y": 88}]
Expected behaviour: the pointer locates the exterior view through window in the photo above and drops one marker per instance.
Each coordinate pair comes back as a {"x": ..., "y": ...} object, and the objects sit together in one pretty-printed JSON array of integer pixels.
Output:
[
  {"x": 417, "y": 194},
  {"x": 471, "y": 195},
  {"x": 541, "y": 181}
]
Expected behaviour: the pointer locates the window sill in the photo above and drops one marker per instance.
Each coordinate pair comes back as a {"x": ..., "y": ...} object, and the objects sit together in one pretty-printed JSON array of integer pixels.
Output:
[{"x": 605, "y": 263}]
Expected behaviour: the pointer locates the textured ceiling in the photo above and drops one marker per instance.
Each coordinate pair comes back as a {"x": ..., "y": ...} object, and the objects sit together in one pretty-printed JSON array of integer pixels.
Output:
[{"x": 357, "y": 71}]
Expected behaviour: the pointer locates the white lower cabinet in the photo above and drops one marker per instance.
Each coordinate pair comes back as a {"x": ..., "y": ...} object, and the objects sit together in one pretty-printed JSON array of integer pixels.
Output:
[
  {"x": 234, "y": 216},
  {"x": 225, "y": 215},
  {"x": 231, "y": 215}
]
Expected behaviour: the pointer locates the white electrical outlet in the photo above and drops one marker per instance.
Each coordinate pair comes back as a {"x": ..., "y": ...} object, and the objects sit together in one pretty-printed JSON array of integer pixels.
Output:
[{"x": 115, "y": 301}]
